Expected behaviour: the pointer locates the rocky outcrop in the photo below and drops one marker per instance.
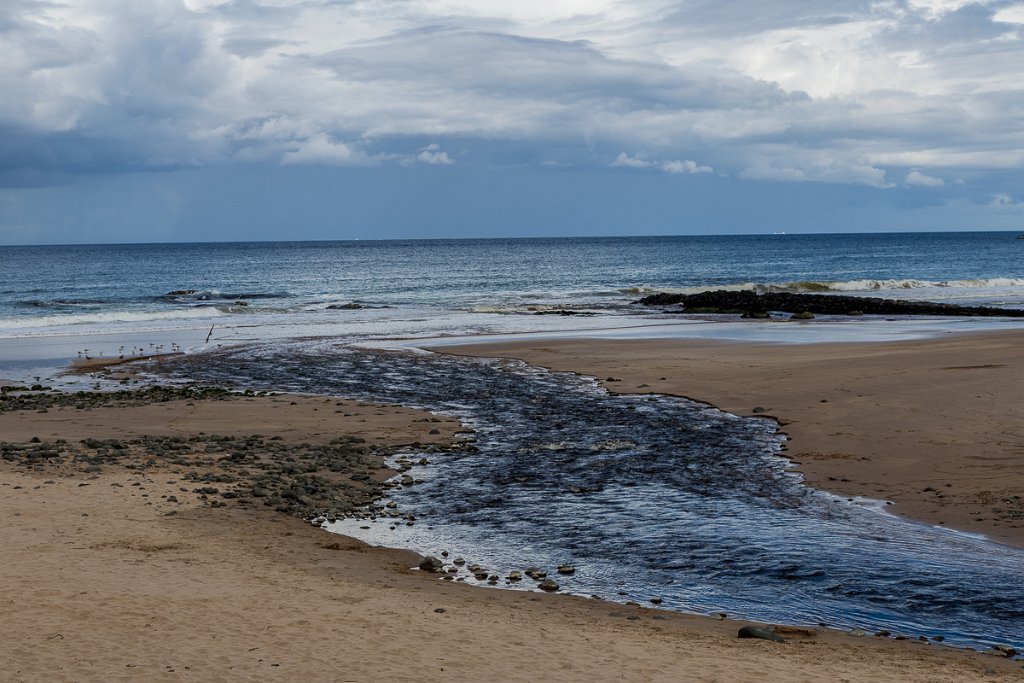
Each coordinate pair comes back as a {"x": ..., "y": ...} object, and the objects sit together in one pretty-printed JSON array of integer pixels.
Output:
[
  {"x": 753, "y": 304},
  {"x": 760, "y": 634}
]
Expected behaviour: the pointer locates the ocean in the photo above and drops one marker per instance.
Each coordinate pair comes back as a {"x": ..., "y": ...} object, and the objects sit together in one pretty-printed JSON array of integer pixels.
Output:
[
  {"x": 646, "y": 496},
  {"x": 108, "y": 300}
]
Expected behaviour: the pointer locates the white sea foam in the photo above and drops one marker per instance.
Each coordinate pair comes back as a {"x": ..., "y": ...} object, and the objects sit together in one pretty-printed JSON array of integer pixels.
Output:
[
  {"x": 911, "y": 283},
  {"x": 526, "y": 309},
  {"x": 106, "y": 318}
]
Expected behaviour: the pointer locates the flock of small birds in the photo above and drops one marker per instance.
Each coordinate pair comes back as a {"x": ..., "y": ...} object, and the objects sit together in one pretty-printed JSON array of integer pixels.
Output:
[{"x": 135, "y": 351}]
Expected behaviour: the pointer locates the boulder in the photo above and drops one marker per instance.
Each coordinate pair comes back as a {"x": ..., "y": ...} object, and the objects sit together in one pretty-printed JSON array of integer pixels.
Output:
[
  {"x": 760, "y": 633},
  {"x": 431, "y": 564}
]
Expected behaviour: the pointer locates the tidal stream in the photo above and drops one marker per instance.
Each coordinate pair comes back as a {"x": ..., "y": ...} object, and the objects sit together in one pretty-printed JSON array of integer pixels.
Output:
[{"x": 646, "y": 496}]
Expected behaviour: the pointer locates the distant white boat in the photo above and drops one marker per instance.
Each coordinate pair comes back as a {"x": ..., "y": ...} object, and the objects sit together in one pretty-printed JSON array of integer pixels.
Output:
[{"x": 780, "y": 232}]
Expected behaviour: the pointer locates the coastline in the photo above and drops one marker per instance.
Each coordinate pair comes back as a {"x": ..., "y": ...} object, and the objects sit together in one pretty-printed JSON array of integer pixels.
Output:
[
  {"x": 100, "y": 582},
  {"x": 930, "y": 425}
]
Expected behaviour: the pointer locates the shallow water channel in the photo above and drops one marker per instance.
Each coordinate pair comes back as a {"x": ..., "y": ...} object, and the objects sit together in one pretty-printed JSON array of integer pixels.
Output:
[{"x": 647, "y": 496}]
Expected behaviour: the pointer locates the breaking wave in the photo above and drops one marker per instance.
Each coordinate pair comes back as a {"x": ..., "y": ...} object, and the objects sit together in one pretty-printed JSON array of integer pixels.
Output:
[
  {"x": 824, "y": 286},
  {"x": 527, "y": 309},
  {"x": 104, "y": 318},
  {"x": 60, "y": 303}
]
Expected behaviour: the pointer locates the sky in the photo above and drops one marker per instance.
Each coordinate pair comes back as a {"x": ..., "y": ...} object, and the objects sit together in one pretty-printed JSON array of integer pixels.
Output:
[{"x": 206, "y": 120}]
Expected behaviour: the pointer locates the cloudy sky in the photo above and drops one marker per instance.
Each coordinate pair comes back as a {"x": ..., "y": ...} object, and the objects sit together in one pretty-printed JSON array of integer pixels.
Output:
[{"x": 157, "y": 120}]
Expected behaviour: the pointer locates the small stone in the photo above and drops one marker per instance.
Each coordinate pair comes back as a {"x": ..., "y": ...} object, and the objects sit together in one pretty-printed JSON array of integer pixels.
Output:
[{"x": 440, "y": 610}]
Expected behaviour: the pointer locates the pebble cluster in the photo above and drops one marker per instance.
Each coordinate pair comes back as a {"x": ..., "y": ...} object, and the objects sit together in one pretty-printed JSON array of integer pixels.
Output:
[
  {"x": 41, "y": 398},
  {"x": 451, "y": 568},
  {"x": 310, "y": 480}
]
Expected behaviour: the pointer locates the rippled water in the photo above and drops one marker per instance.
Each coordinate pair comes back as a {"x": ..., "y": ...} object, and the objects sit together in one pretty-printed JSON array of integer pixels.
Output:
[{"x": 648, "y": 496}]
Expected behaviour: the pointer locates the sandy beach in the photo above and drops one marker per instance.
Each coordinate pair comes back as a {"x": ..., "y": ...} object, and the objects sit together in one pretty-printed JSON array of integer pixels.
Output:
[
  {"x": 125, "y": 572},
  {"x": 933, "y": 426}
]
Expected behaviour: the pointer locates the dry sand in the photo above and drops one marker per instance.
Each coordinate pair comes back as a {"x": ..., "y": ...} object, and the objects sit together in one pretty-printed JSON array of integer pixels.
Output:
[
  {"x": 98, "y": 583},
  {"x": 935, "y": 426}
]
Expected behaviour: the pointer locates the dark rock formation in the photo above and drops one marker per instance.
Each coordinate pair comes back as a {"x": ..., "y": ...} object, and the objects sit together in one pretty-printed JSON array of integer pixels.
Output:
[
  {"x": 760, "y": 633},
  {"x": 431, "y": 564},
  {"x": 753, "y": 304}
]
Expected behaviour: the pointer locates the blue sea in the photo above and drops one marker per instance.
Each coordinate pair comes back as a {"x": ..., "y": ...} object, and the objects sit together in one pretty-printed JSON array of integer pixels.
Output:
[
  {"x": 646, "y": 496},
  {"x": 58, "y": 301}
]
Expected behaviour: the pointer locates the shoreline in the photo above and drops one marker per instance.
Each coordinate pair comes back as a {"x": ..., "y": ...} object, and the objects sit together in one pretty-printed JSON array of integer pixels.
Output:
[
  {"x": 102, "y": 582},
  {"x": 927, "y": 424}
]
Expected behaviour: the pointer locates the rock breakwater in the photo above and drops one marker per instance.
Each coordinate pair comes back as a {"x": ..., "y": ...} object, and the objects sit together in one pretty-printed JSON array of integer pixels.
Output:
[{"x": 752, "y": 303}]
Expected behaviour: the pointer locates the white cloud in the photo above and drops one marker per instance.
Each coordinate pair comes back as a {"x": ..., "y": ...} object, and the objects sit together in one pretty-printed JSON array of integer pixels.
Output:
[
  {"x": 1014, "y": 14},
  {"x": 918, "y": 179},
  {"x": 673, "y": 166},
  {"x": 684, "y": 166},
  {"x": 834, "y": 172},
  {"x": 1003, "y": 200},
  {"x": 432, "y": 154},
  {"x": 630, "y": 162},
  {"x": 936, "y": 8},
  {"x": 319, "y": 149},
  {"x": 833, "y": 91}
]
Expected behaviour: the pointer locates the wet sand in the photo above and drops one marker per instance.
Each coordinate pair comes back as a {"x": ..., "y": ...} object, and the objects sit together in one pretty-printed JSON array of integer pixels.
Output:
[
  {"x": 933, "y": 426},
  {"x": 99, "y": 582}
]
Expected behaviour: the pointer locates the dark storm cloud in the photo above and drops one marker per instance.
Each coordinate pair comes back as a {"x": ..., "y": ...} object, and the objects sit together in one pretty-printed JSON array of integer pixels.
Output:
[{"x": 922, "y": 95}]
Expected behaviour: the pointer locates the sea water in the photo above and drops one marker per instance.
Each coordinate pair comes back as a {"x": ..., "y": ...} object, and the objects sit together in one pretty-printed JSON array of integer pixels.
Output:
[{"x": 59, "y": 303}]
